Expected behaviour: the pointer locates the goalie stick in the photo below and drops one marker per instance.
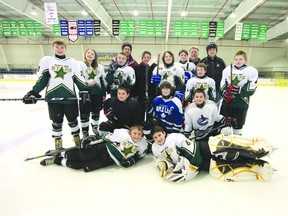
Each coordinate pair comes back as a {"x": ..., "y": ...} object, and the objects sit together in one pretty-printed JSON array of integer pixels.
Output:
[
  {"x": 63, "y": 150},
  {"x": 40, "y": 99}
]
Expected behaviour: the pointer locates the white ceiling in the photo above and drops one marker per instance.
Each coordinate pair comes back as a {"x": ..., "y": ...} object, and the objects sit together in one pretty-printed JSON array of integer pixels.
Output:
[{"x": 272, "y": 12}]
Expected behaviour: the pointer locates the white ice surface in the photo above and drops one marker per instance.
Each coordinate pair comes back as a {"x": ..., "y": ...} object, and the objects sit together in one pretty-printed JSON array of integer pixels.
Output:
[{"x": 28, "y": 189}]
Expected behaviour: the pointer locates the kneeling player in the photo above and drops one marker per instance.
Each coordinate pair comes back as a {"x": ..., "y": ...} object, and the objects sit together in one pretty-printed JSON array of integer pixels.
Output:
[{"x": 122, "y": 147}]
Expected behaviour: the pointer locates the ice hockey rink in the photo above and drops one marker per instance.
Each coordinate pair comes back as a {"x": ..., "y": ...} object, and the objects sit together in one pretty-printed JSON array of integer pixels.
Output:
[{"x": 29, "y": 189}]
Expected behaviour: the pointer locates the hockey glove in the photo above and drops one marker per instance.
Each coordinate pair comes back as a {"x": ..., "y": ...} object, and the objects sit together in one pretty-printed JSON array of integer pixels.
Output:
[
  {"x": 156, "y": 79},
  {"x": 235, "y": 90},
  {"x": 117, "y": 81},
  {"x": 179, "y": 94},
  {"x": 31, "y": 97},
  {"x": 114, "y": 66},
  {"x": 86, "y": 142},
  {"x": 227, "y": 96},
  {"x": 85, "y": 96},
  {"x": 187, "y": 75}
]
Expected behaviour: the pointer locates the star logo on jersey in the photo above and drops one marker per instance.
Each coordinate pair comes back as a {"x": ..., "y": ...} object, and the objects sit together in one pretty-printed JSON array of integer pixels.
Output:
[
  {"x": 165, "y": 75},
  {"x": 121, "y": 74},
  {"x": 235, "y": 80},
  {"x": 128, "y": 148},
  {"x": 60, "y": 73},
  {"x": 92, "y": 74}
]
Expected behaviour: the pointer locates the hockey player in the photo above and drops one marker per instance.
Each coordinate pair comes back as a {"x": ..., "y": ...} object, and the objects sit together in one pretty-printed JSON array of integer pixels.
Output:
[
  {"x": 238, "y": 84},
  {"x": 122, "y": 112},
  {"x": 215, "y": 66},
  {"x": 122, "y": 147},
  {"x": 233, "y": 158},
  {"x": 200, "y": 81},
  {"x": 59, "y": 74},
  {"x": 171, "y": 72},
  {"x": 119, "y": 73},
  {"x": 92, "y": 70},
  {"x": 188, "y": 67},
  {"x": 139, "y": 89},
  {"x": 167, "y": 109},
  {"x": 178, "y": 158}
]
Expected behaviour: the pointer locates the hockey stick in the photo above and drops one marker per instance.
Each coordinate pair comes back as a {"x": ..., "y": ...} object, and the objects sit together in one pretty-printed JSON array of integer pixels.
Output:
[
  {"x": 63, "y": 150},
  {"x": 205, "y": 134},
  {"x": 40, "y": 99},
  {"x": 157, "y": 72}
]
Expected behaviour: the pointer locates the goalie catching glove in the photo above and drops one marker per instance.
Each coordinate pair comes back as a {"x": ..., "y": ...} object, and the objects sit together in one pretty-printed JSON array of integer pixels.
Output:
[{"x": 235, "y": 147}]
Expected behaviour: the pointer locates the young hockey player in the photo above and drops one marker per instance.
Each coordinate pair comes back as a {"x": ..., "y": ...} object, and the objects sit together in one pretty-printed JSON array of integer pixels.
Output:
[
  {"x": 139, "y": 89},
  {"x": 122, "y": 147},
  {"x": 202, "y": 116},
  {"x": 200, "y": 81},
  {"x": 234, "y": 158},
  {"x": 188, "y": 67},
  {"x": 178, "y": 158},
  {"x": 59, "y": 74},
  {"x": 91, "y": 70},
  {"x": 167, "y": 109},
  {"x": 119, "y": 74},
  {"x": 122, "y": 112},
  {"x": 171, "y": 72},
  {"x": 238, "y": 84}
]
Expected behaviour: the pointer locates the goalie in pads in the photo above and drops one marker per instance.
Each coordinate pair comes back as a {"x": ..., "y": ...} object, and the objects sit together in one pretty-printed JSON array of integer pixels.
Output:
[
  {"x": 236, "y": 158},
  {"x": 178, "y": 158}
]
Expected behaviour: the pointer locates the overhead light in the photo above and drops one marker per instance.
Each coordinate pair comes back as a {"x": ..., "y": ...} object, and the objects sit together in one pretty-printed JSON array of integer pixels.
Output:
[
  {"x": 84, "y": 13},
  {"x": 33, "y": 11},
  {"x": 232, "y": 15},
  {"x": 135, "y": 13},
  {"x": 183, "y": 13}
]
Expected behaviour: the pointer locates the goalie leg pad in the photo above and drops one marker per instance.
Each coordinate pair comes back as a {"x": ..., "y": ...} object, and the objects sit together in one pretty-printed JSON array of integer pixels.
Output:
[
  {"x": 241, "y": 171},
  {"x": 235, "y": 147}
]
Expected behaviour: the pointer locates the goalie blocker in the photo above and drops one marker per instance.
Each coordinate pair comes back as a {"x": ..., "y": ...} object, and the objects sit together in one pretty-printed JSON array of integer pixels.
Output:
[{"x": 237, "y": 158}]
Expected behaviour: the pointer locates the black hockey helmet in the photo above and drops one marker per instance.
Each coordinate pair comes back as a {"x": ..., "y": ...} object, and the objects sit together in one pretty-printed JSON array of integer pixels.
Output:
[
  {"x": 211, "y": 45},
  {"x": 126, "y": 44}
]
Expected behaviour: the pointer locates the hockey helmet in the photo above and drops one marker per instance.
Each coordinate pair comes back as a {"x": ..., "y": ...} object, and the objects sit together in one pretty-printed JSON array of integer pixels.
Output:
[
  {"x": 126, "y": 44},
  {"x": 211, "y": 45}
]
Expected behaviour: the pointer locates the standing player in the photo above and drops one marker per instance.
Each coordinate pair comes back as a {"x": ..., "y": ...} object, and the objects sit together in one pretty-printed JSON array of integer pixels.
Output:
[
  {"x": 238, "y": 84},
  {"x": 91, "y": 70},
  {"x": 200, "y": 81},
  {"x": 171, "y": 72},
  {"x": 122, "y": 147},
  {"x": 59, "y": 74},
  {"x": 121, "y": 111},
  {"x": 188, "y": 67},
  {"x": 120, "y": 74}
]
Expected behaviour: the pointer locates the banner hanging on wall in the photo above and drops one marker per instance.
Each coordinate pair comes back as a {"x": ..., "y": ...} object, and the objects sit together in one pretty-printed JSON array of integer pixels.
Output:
[{"x": 51, "y": 13}]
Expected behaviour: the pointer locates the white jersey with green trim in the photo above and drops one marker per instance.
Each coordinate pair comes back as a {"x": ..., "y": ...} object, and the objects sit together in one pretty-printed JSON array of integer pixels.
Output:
[
  {"x": 206, "y": 83},
  {"x": 188, "y": 66},
  {"x": 90, "y": 73},
  {"x": 168, "y": 74},
  {"x": 124, "y": 146},
  {"x": 168, "y": 151},
  {"x": 62, "y": 73}
]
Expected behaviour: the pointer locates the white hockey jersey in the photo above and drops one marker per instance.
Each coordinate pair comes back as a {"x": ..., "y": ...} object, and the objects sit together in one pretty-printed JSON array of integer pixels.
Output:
[
  {"x": 201, "y": 118},
  {"x": 59, "y": 76},
  {"x": 122, "y": 146},
  {"x": 206, "y": 83}
]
